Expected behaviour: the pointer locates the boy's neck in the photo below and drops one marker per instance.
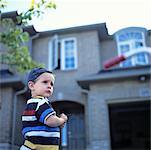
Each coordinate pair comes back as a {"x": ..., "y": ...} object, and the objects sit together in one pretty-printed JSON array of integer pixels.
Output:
[{"x": 37, "y": 96}]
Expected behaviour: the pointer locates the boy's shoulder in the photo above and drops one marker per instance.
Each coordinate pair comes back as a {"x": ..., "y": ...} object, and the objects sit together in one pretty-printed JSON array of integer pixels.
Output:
[{"x": 38, "y": 100}]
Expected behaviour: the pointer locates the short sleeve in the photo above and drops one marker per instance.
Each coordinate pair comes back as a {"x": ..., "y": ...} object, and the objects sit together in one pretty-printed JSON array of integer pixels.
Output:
[{"x": 43, "y": 111}]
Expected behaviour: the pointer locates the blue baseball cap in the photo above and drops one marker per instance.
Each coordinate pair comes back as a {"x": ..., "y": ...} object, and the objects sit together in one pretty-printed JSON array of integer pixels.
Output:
[{"x": 36, "y": 72}]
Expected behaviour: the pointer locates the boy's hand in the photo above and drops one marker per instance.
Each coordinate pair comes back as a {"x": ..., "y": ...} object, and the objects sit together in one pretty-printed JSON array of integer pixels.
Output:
[
  {"x": 62, "y": 125},
  {"x": 63, "y": 116}
]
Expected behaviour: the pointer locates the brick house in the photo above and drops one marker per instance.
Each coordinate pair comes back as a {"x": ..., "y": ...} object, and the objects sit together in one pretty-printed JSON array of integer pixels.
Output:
[{"x": 107, "y": 109}]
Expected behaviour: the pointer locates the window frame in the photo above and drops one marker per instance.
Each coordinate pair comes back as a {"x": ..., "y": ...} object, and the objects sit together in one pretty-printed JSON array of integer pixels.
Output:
[
  {"x": 51, "y": 52},
  {"x": 63, "y": 63},
  {"x": 131, "y": 42}
]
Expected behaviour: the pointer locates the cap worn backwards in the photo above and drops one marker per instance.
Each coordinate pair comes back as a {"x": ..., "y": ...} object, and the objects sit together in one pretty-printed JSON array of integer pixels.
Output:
[{"x": 36, "y": 72}]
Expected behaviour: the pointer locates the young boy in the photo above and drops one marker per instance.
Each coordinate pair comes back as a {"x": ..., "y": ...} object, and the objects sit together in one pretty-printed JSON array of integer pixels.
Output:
[{"x": 40, "y": 123}]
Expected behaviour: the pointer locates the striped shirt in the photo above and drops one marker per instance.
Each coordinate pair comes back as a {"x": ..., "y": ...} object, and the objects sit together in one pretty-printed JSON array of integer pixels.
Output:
[{"x": 34, "y": 118}]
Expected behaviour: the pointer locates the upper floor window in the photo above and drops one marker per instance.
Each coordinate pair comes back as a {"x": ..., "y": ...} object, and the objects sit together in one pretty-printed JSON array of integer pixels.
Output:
[
  {"x": 62, "y": 53},
  {"x": 128, "y": 40}
]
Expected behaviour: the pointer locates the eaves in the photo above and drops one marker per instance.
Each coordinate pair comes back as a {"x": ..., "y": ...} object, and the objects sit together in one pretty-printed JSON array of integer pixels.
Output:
[
  {"x": 100, "y": 28},
  {"x": 115, "y": 74},
  {"x": 8, "y": 79}
]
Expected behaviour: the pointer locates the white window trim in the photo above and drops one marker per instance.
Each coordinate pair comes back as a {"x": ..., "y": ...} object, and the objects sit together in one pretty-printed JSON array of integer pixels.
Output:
[
  {"x": 50, "y": 52},
  {"x": 49, "y": 55},
  {"x": 130, "y": 43},
  {"x": 146, "y": 57}
]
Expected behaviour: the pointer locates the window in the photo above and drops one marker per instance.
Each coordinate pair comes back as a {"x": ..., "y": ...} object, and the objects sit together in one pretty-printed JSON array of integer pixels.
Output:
[
  {"x": 128, "y": 40},
  {"x": 53, "y": 53},
  {"x": 62, "y": 54}
]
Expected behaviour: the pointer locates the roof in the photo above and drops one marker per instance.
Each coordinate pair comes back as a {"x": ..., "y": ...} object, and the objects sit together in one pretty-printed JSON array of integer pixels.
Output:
[
  {"x": 115, "y": 74},
  {"x": 30, "y": 29},
  {"x": 100, "y": 27},
  {"x": 13, "y": 14},
  {"x": 8, "y": 78}
]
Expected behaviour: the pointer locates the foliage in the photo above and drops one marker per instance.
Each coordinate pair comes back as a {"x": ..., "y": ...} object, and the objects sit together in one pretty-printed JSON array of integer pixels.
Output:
[
  {"x": 3, "y": 4},
  {"x": 36, "y": 9},
  {"x": 13, "y": 38},
  {"x": 16, "y": 55}
]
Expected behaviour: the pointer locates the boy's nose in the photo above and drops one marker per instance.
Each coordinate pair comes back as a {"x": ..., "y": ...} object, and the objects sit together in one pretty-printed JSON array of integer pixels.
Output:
[{"x": 49, "y": 86}]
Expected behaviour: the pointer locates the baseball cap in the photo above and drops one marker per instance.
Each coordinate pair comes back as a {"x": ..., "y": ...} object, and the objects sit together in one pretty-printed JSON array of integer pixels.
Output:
[{"x": 36, "y": 72}]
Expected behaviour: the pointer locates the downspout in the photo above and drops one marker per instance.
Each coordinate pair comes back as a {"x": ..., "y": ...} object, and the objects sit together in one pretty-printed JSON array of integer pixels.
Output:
[{"x": 14, "y": 116}]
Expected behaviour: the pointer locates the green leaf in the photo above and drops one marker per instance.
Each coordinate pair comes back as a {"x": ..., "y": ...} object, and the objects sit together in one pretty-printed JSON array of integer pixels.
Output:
[
  {"x": 25, "y": 36},
  {"x": 13, "y": 37}
]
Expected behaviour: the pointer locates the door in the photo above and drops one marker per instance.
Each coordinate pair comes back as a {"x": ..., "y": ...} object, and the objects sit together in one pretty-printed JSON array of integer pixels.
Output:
[
  {"x": 73, "y": 134},
  {"x": 75, "y": 127}
]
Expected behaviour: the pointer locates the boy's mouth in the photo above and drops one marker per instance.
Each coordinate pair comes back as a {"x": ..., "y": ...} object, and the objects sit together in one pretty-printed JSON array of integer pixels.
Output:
[{"x": 48, "y": 91}]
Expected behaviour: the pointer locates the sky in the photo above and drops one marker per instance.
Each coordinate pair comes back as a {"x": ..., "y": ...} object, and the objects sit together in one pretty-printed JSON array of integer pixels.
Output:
[{"x": 116, "y": 14}]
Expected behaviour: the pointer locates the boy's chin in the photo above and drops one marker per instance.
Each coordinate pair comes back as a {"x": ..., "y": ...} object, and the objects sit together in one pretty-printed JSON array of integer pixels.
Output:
[{"x": 47, "y": 95}]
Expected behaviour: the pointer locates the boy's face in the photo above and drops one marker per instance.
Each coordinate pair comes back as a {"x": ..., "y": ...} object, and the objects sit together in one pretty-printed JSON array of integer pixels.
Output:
[{"x": 43, "y": 86}]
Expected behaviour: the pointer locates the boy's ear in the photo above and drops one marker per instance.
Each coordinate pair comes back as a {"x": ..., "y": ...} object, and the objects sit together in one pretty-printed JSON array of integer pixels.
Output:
[{"x": 30, "y": 85}]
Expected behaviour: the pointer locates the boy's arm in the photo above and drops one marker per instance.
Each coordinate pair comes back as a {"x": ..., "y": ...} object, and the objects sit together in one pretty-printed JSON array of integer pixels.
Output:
[{"x": 55, "y": 121}]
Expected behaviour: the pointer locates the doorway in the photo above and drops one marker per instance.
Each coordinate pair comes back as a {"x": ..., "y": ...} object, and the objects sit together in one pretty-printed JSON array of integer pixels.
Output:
[
  {"x": 73, "y": 134},
  {"x": 130, "y": 125}
]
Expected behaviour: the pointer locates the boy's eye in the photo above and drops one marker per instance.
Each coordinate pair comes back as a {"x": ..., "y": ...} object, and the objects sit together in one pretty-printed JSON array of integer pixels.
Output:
[
  {"x": 47, "y": 82},
  {"x": 44, "y": 81}
]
